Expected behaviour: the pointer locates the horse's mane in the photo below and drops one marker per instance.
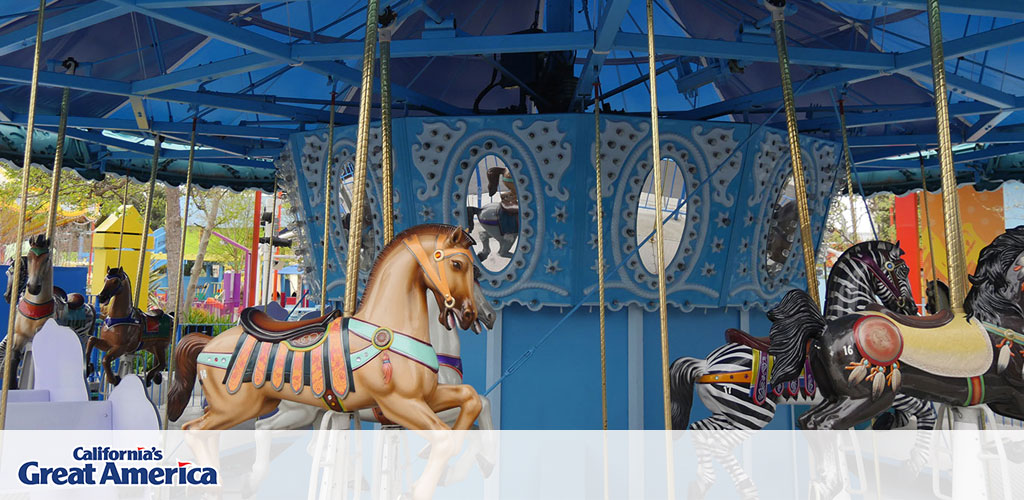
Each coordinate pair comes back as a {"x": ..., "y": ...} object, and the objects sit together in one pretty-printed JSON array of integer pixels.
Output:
[
  {"x": 397, "y": 242},
  {"x": 989, "y": 278}
]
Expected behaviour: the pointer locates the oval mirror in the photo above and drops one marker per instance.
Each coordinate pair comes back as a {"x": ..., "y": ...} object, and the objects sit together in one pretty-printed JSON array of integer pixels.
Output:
[
  {"x": 673, "y": 189},
  {"x": 782, "y": 228},
  {"x": 492, "y": 209}
]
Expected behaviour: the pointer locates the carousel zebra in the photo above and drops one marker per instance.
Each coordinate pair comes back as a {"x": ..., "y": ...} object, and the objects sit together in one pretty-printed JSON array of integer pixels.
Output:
[{"x": 868, "y": 274}]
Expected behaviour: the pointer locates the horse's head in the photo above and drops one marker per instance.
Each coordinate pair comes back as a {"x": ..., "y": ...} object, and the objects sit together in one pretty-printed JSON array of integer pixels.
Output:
[
  {"x": 891, "y": 284},
  {"x": 40, "y": 268},
  {"x": 113, "y": 284},
  {"x": 448, "y": 271},
  {"x": 10, "y": 282},
  {"x": 938, "y": 296},
  {"x": 998, "y": 281}
]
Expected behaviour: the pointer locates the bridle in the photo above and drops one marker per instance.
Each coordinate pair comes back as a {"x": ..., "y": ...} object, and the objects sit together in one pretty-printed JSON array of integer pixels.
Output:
[
  {"x": 436, "y": 273},
  {"x": 887, "y": 277}
]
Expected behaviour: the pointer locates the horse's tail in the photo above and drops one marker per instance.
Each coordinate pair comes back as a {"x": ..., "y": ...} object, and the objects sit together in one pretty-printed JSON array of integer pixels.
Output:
[
  {"x": 472, "y": 212},
  {"x": 682, "y": 375},
  {"x": 794, "y": 321},
  {"x": 184, "y": 372}
]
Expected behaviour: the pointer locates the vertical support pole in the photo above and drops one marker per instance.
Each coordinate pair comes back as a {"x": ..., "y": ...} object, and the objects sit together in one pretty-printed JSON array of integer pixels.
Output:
[
  {"x": 779, "y": 22},
  {"x": 355, "y": 233},
  {"x": 146, "y": 218},
  {"x": 328, "y": 177},
  {"x": 254, "y": 255},
  {"x": 387, "y": 156},
  {"x": 181, "y": 253},
  {"x": 26, "y": 166},
  {"x": 599, "y": 199},
  {"x": 267, "y": 294},
  {"x": 950, "y": 199},
  {"x": 58, "y": 164}
]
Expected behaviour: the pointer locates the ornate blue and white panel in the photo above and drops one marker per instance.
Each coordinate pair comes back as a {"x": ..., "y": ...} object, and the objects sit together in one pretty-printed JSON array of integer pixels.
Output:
[{"x": 731, "y": 183}]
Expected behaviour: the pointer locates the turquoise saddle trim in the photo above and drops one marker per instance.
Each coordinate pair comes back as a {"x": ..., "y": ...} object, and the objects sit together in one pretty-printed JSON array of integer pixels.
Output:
[{"x": 399, "y": 343}]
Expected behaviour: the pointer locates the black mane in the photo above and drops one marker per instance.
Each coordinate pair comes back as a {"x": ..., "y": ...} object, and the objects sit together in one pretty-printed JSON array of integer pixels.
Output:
[{"x": 986, "y": 297}]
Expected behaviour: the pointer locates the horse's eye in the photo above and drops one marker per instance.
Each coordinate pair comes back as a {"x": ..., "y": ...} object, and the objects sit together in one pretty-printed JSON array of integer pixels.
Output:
[{"x": 457, "y": 265}]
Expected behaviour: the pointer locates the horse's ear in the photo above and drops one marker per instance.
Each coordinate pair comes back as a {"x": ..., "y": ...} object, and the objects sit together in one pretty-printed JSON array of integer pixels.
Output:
[{"x": 458, "y": 238}]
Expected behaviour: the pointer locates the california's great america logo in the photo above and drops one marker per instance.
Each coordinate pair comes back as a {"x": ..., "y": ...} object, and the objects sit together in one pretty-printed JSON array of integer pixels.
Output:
[{"x": 103, "y": 465}]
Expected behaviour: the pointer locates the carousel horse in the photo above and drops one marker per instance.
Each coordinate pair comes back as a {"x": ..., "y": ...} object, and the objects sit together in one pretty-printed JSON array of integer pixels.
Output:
[
  {"x": 292, "y": 415},
  {"x": 38, "y": 300},
  {"x": 938, "y": 297},
  {"x": 500, "y": 220},
  {"x": 733, "y": 380},
  {"x": 246, "y": 371},
  {"x": 868, "y": 358},
  {"x": 127, "y": 329}
]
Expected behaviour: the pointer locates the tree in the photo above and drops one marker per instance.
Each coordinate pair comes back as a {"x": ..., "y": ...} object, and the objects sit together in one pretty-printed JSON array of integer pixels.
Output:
[
  {"x": 172, "y": 241},
  {"x": 210, "y": 203}
]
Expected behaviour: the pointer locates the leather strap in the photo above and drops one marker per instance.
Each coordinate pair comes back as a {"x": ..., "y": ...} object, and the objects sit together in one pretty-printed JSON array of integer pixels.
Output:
[
  {"x": 435, "y": 273},
  {"x": 742, "y": 377}
]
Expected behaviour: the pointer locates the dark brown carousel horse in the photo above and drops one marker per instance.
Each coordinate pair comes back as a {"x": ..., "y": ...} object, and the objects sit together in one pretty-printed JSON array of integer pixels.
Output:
[
  {"x": 127, "y": 330},
  {"x": 863, "y": 360}
]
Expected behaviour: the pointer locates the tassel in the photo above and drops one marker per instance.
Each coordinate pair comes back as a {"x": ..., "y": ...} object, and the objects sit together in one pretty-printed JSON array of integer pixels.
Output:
[
  {"x": 878, "y": 384},
  {"x": 860, "y": 371},
  {"x": 385, "y": 366},
  {"x": 1004, "y": 356},
  {"x": 896, "y": 378}
]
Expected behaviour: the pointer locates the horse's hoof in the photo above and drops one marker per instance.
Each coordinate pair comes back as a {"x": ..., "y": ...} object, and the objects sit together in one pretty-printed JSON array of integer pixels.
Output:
[
  {"x": 158, "y": 378},
  {"x": 884, "y": 422},
  {"x": 116, "y": 380}
]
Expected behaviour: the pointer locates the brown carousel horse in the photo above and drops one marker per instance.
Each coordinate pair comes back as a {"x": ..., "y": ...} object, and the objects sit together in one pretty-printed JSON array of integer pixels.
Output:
[
  {"x": 862, "y": 360},
  {"x": 247, "y": 370},
  {"x": 37, "y": 300},
  {"x": 127, "y": 329}
]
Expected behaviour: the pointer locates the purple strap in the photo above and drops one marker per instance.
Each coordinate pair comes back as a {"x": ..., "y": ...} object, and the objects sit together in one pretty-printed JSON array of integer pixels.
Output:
[
  {"x": 109, "y": 322},
  {"x": 453, "y": 361}
]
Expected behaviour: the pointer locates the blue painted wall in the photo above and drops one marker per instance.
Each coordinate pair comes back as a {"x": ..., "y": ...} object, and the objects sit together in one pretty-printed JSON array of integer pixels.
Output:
[{"x": 71, "y": 279}]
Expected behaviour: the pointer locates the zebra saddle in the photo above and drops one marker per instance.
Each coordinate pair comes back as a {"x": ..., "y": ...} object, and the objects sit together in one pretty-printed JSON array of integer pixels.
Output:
[
  {"x": 741, "y": 337},
  {"x": 947, "y": 345}
]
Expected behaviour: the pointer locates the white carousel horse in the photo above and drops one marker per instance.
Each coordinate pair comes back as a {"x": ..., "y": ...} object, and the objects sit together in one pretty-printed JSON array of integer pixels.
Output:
[{"x": 291, "y": 415}]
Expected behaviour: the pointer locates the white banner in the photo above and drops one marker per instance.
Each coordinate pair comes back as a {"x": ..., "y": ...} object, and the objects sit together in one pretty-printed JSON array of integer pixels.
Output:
[{"x": 512, "y": 464}]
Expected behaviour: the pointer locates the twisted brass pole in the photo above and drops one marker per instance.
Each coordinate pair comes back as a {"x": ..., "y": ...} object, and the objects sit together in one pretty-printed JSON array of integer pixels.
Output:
[
  {"x": 386, "y": 155},
  {"x": 175, "y": 321},
  {"x": 955, "y": 260},
  {"x": 146, "y": 218},
  {"x": 800, "y": 182},
  {"x": 355, "y": 232},
  {"x": 26, "y": 166},
  {"x": 599, "y": 198},
  {"x": 58, "y": 164},
  {"x": 328, "y": 177}
]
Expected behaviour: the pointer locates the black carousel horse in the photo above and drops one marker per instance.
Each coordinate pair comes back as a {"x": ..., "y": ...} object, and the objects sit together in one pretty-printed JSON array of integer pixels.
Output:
[
  {"x": 500, "y": 220},
  {"x": 864, "y": 360}
]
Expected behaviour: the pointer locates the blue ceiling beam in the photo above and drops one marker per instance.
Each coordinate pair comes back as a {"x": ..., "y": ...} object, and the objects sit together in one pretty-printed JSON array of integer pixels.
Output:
[
  {"x": 58, "y": 25},
  {"x": 169, "y": 4},
  {"x": 911, "y": 114},
  {"x": 965, "y": 87},
  {"x": 456, "y": 46},
  {"x": 185, "y": 127},
  {"x": 1013, "y": 9},
  {"x": 980, "y": 130},
  {"x": 760, "y": 52},
  {"x": 203, "y": 73},
  {"x": 612, "y": 14},
  {"x": 145, "y": 151},
  {"x": 254, "y": 42},
  {"x": 114, "y": 87},
  {"x": 924, "y": 140},
  {"x": 959, "y": 158},
  {"x": 999, "y": 37}
]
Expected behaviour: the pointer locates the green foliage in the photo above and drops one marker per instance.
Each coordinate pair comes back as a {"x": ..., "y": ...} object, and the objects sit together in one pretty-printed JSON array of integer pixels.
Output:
[{"x": 203, "y": 317}]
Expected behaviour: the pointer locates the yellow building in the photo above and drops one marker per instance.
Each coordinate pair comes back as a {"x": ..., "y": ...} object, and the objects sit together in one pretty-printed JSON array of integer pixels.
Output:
[{"x": 106, "y": 241}]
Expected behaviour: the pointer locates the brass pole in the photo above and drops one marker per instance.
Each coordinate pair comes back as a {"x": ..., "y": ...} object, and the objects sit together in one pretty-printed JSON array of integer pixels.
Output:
[
  {"x": 181, "y": 253},
  {"x": 23, "y": 209},
  {"x": 328, "y": 176},
  {"x": 803, "y": 211},
  {"x": 355, "y": 232},
  {"x": 145, "y": 219},
  {"x": 124, "y": 210},
  {"x": 599, "y": 197},
  {"x": 387, "y": 160},
  {"x": 58, "y": 164},
  {"x": 955, "y": 261},
  {"x": 849, "y": 168},
  {"x": 270, "y": 254}
]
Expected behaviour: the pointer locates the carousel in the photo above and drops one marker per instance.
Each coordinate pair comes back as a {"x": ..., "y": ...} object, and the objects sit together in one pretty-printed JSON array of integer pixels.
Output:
[{"x": 497, "y": 229}]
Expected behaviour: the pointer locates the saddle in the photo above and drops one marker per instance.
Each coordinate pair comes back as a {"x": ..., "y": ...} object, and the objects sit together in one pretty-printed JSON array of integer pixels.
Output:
[
  {"x": 949, "y": 346},
  {"x": 735, "y": 336},
  {"x": 937, "y": 320},
  {"x": 267, "y": 329},
  {"x": 75, "y": 301}
]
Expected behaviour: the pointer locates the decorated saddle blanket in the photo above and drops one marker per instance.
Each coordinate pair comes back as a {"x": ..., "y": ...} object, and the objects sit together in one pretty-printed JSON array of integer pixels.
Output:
[
  {"x": 761, "y": 373},
  {"x": 960, "y": 348},
  {"x": 318, "y": 358}
]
